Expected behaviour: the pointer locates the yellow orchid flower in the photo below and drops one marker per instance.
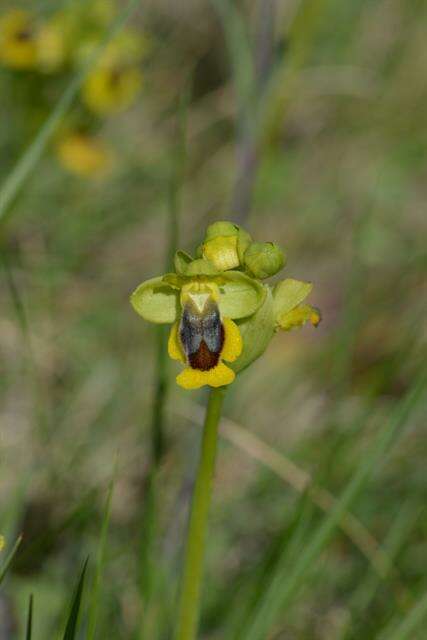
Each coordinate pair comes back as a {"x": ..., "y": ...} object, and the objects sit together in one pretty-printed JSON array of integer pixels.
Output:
[
  {"x": 116, "y": 80},
  {"x": 27, "y": 44},
  {"x": 111, "y": 89},
  {"x": 222, "y": 317},
  {"x": 18, "y": 45}
]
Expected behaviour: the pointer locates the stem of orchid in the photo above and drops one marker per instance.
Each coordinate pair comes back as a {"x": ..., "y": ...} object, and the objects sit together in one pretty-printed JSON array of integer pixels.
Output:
[{"x": 189, "y": 607}]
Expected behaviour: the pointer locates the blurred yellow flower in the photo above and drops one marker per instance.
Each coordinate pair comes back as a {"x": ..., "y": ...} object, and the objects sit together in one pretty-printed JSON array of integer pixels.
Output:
[
  {"x": 110, "y": 89},
  {"x": 18, "y": 47},
  {"x": 24, "y": 44},
  {"x": 2, "y": 543},
  {"x": 84, "y": 155},
  {"x": 51, "y": 47},
  {"x": 116, "y": 80}
]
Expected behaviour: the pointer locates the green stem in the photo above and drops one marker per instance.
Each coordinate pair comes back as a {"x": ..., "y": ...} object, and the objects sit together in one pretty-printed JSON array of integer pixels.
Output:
[{"x": 189, "y": 608}]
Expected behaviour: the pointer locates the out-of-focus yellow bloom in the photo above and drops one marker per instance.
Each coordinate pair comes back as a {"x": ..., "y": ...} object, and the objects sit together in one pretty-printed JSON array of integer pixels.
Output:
[
  {"x": 24, "y": 44},
  {"x": 18, "y": 45},
  {"x": 2, "y": 543},
  {"x": 116, "y": 80},
  {"x": 51, "y": 47},
  {"x": 110, "y": 89},
  {"x": 84, "y": 155}
]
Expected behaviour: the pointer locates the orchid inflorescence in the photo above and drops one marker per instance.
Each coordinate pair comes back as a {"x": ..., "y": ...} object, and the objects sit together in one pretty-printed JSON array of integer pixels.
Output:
[{"x": 220, "y": 309}]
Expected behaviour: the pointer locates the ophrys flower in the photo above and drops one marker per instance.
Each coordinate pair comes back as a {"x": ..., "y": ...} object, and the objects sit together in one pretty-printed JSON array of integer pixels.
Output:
[{"x": 223, "y": 317}]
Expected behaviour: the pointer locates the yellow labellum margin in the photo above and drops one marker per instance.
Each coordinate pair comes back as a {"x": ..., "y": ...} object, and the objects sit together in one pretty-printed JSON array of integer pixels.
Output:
[{"x": 219, "y": 375}]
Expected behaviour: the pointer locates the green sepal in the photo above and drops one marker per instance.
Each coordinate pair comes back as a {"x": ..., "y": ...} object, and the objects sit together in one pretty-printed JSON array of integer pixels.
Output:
[
  {"x": 174, "y": 280},
  {"x": 287, "y": 294},
  {"x": 256, "y": 331},
  {"x": 199, "y": 251},
  {"x": 240, "y": 295},
  {"x": 156, "y": 301},
  {"x": 243, "y": 242},
  {"x": 181, "y": 261},
  {"x": 200, "y": 267}
]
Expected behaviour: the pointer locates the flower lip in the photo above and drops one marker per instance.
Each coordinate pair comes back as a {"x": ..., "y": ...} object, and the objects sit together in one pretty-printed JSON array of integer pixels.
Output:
[
  {"x": 203, "y": 342},
  {"x": 202, "y": 334}
]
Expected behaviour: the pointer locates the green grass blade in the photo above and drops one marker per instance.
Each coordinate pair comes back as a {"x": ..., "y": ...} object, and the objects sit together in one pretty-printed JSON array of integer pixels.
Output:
[
  {"x": 19, "y": 174},
  {"x": 29, "y": 632},
  {"x": 71, "y": 628},
  {"x": 367, "y": 588},
  {"x": 100, "y": 561},
  {"x": 285, "y": 584},
  {"x": 9, "y": 559},
  {"x": 240, "y": 52},
  {"x": 408, "y": 626}
]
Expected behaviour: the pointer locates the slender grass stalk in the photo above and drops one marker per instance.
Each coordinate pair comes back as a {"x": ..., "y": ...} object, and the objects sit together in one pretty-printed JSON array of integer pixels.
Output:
[
  {"x": 251, "y": 72},
  {"x": 189, "y": 606},
  {"x": 29, "y": 632},
  {"x": 409, "y": 624},
  {"x": 149, "y": 569},
  {"x": 100, "y": 561},
  {"x": 71, "y": 630},
  {"x": 9, "y": 559}
]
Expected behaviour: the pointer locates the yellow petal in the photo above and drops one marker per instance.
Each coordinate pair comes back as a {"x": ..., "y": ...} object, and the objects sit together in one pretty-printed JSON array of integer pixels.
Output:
[
  {"x": 174, "y": 346},
  {"x": 233, "y": 343},
  {"x": 299, "y": 316},
  {"x": 216, "y": 377},
  {"x": 2, "y": 543}
]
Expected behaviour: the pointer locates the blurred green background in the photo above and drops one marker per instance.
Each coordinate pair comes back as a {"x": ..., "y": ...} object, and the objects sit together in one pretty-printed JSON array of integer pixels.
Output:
[{"x": 338, "y": 177}]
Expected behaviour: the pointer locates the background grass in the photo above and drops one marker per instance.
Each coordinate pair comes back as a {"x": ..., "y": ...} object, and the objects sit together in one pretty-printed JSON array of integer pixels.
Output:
[{"x": 341, "y": 184}]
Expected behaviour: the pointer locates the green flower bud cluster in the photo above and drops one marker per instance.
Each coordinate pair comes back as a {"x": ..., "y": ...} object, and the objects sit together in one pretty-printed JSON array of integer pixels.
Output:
[{"x": 228, "y": 246}]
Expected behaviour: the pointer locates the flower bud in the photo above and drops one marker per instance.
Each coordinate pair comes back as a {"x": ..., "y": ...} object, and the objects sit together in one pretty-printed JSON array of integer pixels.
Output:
[
  {"x": 221, "y": 228},
  {"x": 264, "y": 259},
  {"x": 222, "y": 252},
  {"x": 225, "y": 244}
]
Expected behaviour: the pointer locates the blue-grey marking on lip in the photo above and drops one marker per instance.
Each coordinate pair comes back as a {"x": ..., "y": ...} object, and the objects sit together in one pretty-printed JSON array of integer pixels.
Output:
[{"x": 201, "y": 335}]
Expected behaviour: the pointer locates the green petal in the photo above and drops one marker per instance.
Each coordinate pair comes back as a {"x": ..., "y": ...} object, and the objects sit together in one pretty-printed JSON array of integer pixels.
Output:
[
  {"x": 240, "y": 295},
  {"x": 256, "y": 332},
  {"x": 288, "y": 294},
  {"x": 156, "y": 301},
  {"x": 181, "y": 261},
  {"x": 174, "y": 280},
  {"x": 200, "y": 267}
]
